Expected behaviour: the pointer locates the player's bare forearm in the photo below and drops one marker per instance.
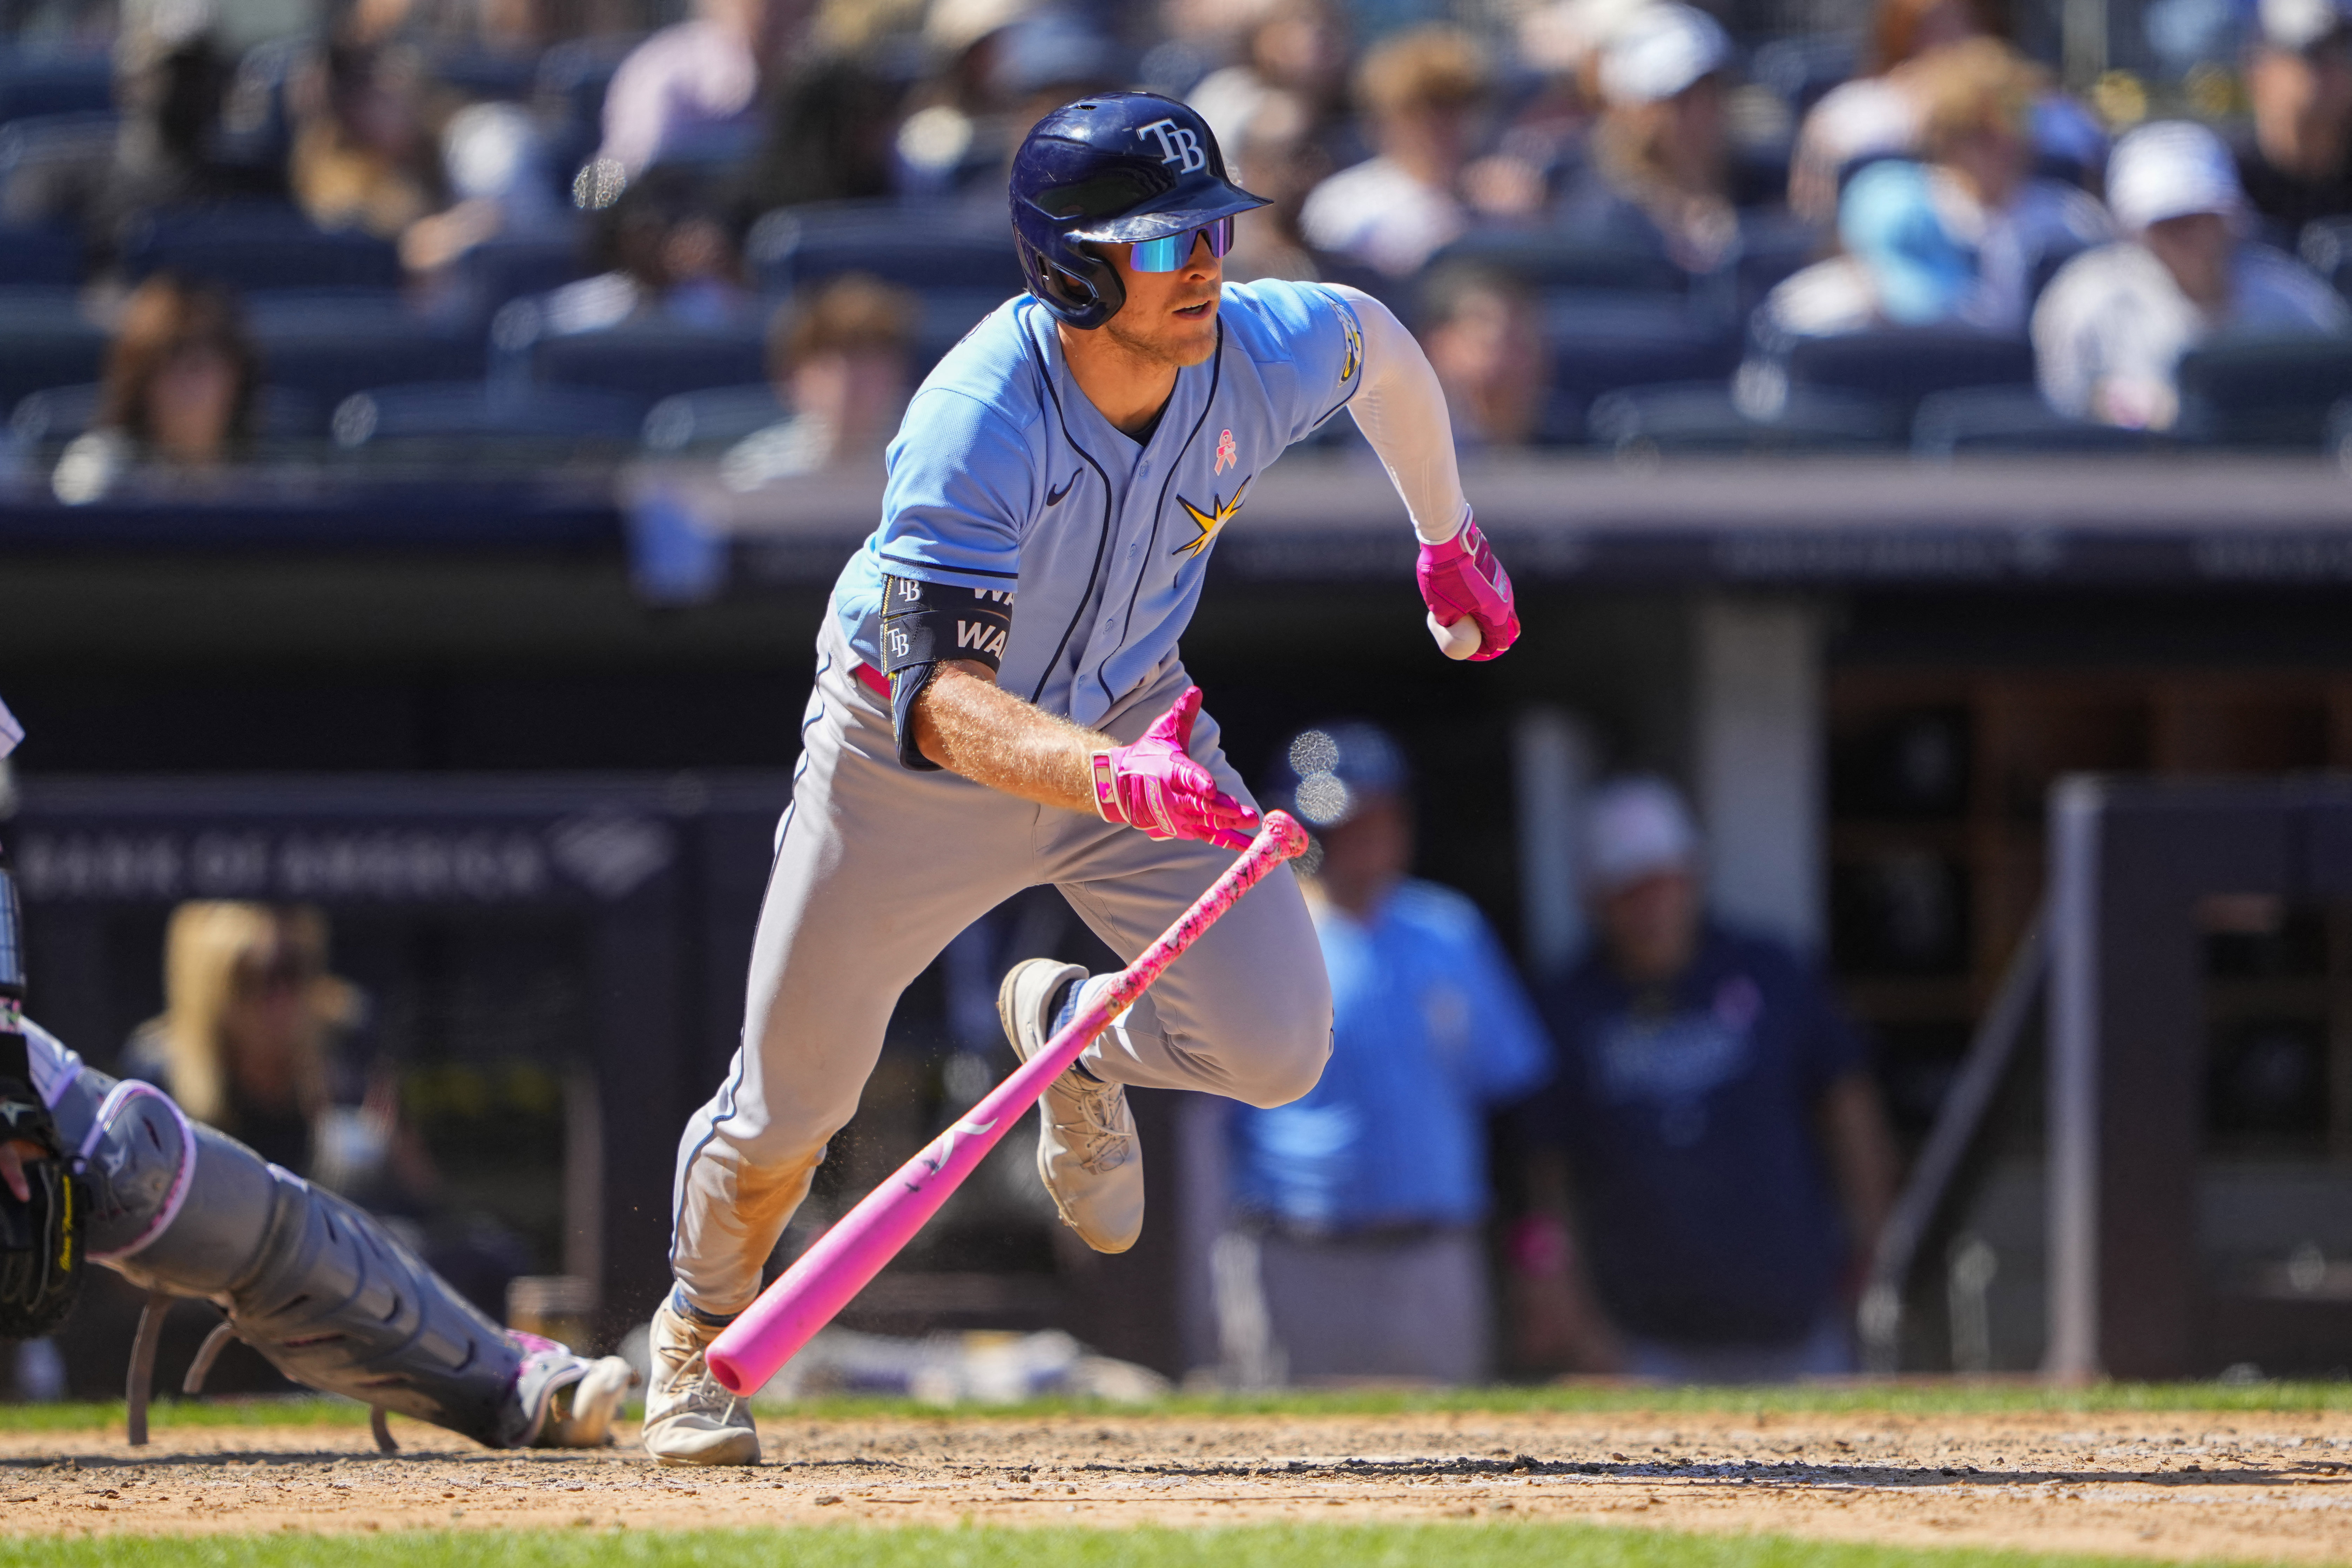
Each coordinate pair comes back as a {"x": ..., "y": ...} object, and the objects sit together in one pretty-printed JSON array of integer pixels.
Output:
[{"x": 969, "y": 725}]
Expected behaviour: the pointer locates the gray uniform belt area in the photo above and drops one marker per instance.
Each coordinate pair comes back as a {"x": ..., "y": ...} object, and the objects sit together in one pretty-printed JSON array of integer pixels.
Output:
[{"x": 312, "y": 1282}]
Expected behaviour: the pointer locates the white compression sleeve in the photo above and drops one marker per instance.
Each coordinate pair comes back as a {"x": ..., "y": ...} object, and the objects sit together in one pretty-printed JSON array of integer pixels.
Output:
[{"x": 1400, "y": 409}]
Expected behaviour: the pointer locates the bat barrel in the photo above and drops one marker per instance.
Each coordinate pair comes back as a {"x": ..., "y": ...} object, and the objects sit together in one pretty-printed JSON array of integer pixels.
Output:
[{"x": 845, "y": 1259}]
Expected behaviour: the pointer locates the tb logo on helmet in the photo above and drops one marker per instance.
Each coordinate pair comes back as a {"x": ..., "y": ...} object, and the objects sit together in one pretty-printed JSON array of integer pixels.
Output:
[{"x": 1177, "y": 145}]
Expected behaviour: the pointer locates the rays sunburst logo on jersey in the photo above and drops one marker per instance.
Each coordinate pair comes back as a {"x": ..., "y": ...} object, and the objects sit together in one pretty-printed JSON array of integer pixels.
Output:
[{"x": 1210, "y": 521}]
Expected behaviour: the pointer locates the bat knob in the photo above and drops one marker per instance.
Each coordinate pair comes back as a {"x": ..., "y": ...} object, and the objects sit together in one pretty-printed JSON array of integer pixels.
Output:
[{"x": 1287, "y": 835}]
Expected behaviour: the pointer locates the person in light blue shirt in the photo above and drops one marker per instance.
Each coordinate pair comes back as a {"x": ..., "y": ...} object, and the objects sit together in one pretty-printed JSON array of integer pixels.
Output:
[{"x": 1366, "y": 1196}]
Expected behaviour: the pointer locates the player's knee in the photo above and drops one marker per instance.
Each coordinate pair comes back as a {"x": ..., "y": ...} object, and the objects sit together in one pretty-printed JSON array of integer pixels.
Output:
[{"x": 1290, "y": 1054}]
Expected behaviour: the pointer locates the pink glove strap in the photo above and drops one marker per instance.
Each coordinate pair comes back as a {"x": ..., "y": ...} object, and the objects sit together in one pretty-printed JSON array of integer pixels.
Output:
[
  {"x": 1154, "y": 785},
  {"x": 1107, "y": 799}
]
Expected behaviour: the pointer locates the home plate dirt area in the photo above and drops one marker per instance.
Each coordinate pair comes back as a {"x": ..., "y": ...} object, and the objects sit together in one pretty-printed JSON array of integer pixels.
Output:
[{"x": 2268, "y": 1486}]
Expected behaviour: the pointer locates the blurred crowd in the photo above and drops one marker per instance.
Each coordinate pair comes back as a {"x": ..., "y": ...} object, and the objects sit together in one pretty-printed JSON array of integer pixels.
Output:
[
  {"x": 1696, "y": 1164},
  {"x": 1568, "y": 199}
]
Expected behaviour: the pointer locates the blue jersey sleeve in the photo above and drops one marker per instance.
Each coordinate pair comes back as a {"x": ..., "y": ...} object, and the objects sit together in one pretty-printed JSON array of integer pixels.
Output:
[
  {"x": 1307, "y": 344},
  {"x": 1514, "y": 1056},
  {"x": 960, "y": 489}
]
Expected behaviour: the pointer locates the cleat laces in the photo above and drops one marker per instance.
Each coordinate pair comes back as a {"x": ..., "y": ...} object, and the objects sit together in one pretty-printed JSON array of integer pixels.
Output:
[
  {"x": 703, "y": 1394},
  {"x": 1101, "y": 1143}
]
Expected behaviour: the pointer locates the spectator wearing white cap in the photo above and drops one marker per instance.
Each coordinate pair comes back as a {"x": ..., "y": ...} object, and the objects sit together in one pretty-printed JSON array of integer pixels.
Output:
[
  {"x": 2114, "y": 323},
  {"x": 1658, "y": 177},
  {"x": 1710, "y": 1167},
  {"x": 1421, "y": 90},
  {"x": 2295, "y": 157}
]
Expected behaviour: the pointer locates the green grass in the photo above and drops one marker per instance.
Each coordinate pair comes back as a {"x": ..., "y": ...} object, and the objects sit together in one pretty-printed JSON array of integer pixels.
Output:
[
  {"x": 1919, "y": 1398},
  {"x": 319, "y": 1411},
  {"x": 1905, "y": 1398},
  {"x": 1243, "y": 1546}
]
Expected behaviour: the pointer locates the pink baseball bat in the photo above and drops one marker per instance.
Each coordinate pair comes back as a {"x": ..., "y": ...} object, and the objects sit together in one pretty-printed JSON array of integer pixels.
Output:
[{"x": 804, "y": 1297}]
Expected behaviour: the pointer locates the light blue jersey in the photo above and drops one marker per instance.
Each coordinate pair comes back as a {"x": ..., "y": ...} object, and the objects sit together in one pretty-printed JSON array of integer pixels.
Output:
[
  {"x": 1005, "y": 476},
  {"x": 1429, "y": 1031}
]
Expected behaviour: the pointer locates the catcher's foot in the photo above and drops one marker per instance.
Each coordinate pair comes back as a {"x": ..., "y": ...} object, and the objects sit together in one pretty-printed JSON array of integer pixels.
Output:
[
  {"x": 567, "y": 1401},
  {"x": 1087, "y": 1153},
  {"x": 690, "y": 1418}
]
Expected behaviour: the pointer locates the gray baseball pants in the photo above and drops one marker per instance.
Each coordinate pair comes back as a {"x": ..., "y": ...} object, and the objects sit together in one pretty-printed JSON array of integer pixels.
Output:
[{"x": 878, "y": 868}]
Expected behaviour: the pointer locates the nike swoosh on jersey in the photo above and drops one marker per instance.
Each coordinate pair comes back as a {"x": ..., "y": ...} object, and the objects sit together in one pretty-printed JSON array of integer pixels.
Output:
[{"x": 1054, "y": 497}]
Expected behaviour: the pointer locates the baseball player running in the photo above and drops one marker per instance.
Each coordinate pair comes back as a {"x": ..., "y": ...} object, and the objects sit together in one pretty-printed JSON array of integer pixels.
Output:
[
  {"x": 97, "y": 1169},
  {"x": 1000, "y": 702}
]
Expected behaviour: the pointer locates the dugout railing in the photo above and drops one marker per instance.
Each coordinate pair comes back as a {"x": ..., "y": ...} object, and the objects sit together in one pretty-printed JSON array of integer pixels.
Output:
[{"x": 2151, "y": 1208}]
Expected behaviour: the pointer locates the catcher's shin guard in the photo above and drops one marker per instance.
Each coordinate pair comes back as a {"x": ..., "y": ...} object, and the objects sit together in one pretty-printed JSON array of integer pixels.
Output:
[{"x": 314, "y": 1284}]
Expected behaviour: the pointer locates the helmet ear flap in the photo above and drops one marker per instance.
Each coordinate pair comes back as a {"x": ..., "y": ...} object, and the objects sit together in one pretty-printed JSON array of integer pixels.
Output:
[
  {"x": 1081, "y": 288},
  {"x": 1096, "y": 294}
]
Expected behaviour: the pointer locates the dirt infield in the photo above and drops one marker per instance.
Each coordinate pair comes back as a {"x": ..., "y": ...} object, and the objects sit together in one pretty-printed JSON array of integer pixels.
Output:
[{"x": 2244, "y": 1486}]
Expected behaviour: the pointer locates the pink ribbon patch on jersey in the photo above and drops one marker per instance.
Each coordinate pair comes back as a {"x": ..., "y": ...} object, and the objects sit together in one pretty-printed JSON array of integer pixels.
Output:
[{"x": 1227, "y": 453}]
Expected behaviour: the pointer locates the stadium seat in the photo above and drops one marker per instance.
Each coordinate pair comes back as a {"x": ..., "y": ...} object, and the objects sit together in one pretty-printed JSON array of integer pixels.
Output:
[
  {"x": 1801, "y": 68},
  {"x": 498, "y": 270},
  {"x": 483, "y": 74},
  {"x": 920, "y": 245},
  {"x": 1600, "y": 348},
  {"x": 1707, "y": 419},
  {"x": 329, "y": 343},
  {"x": 569, "y": 95},
  {"x": 451, "y": 416},
  {"x": 2262, "y": 392},
  {"x": 256, "y": 125},
  {"x": 947, "y": 315},
  {"x": 62, "y": 412},
  {"x": 2326, "y": 249},
  {"x": 647, "y": 360},
  {"x": 2338, "y": 437},
  {"x": 36, "y": 79},
  {"x": 40, "y": 258},
  {"x": 1994, "y": 419},
  {"x": 45, "y": 341},
  {"x": 49, "y": 165},
  {"x": 257, "y": 244},
  {"x": 1772, "y": 250},
  {"x": 715, "y": 416},
  {"x": 1552, "y": 263},
  {"x": 1898, "y": 366}
]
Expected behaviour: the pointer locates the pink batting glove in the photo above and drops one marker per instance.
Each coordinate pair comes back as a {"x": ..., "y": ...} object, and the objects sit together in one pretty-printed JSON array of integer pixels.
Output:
[
  {"x": 1460, "y": 582},
  {"x": 1155, "y": 784}
]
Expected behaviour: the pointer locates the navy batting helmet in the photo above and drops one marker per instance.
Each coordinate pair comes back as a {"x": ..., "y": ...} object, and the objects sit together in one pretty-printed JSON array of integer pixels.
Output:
[{"x": 1116, "y": 168}]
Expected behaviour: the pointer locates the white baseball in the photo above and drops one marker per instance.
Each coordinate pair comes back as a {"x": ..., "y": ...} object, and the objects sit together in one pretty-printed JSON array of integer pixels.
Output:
[{"x": 1459, "y": 640}]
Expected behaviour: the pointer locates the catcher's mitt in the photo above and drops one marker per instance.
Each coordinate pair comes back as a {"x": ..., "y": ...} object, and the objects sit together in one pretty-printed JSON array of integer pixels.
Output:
[{"x": 41, "y": 1238}]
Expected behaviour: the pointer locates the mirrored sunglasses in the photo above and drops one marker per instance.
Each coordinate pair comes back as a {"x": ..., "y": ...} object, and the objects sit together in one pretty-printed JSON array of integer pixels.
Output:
[{"x": 1171, "y": 252}]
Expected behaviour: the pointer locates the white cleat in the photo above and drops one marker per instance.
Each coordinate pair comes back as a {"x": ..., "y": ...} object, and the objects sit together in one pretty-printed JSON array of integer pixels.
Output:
[
  {"x": 563, "y": 1400},
  {"x": 690, "y": 1418},
  {"x": 1087, "y": 1153},
  {"x": 582, "y": 1415}
]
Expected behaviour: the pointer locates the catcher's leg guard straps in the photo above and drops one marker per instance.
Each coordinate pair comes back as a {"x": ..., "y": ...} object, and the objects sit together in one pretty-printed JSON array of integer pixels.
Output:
[{"x": 314, "y": 1284}]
